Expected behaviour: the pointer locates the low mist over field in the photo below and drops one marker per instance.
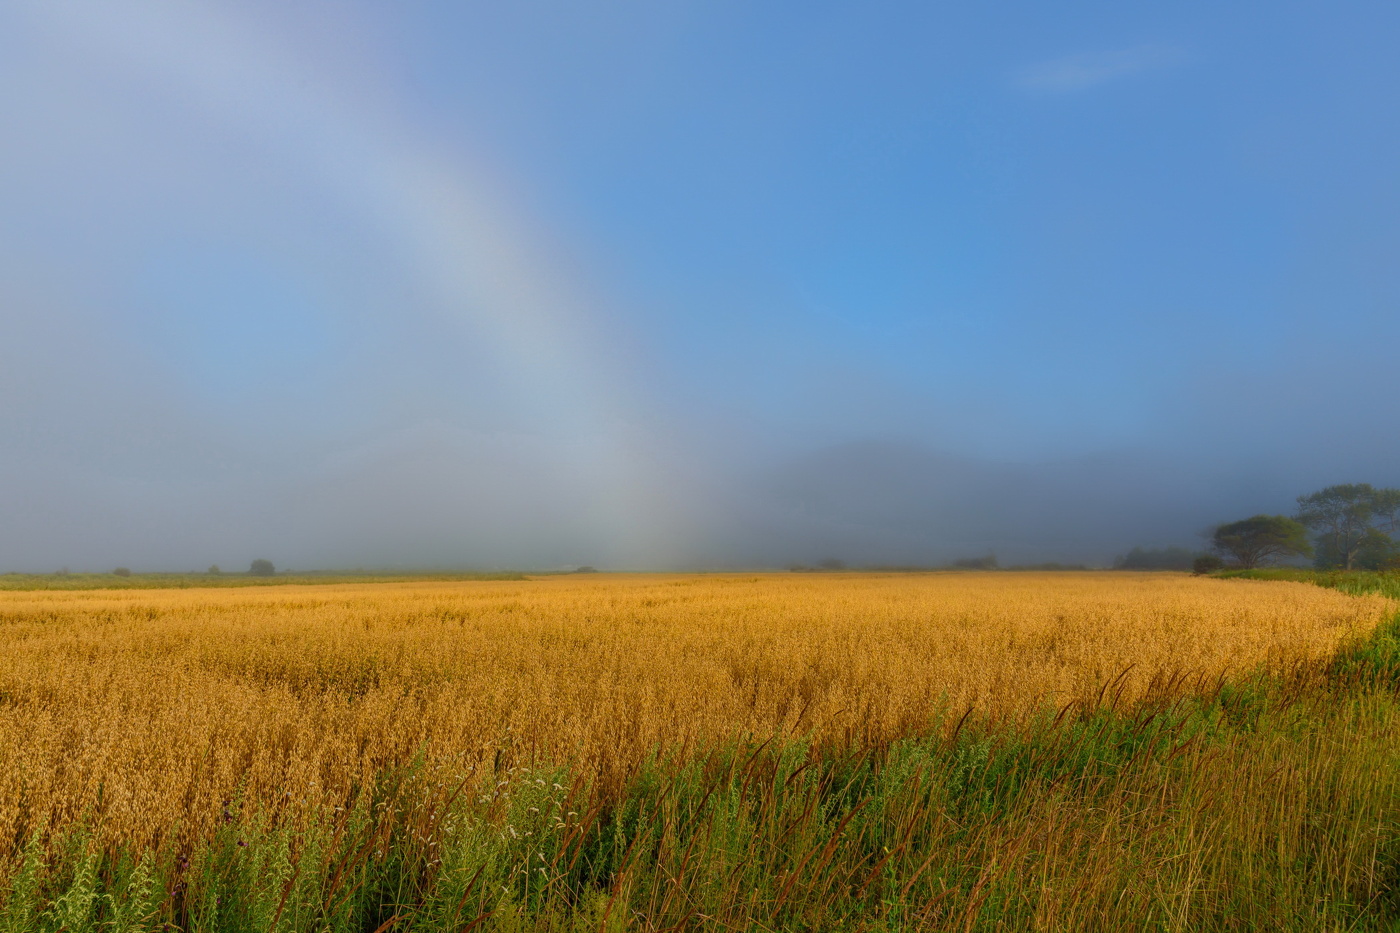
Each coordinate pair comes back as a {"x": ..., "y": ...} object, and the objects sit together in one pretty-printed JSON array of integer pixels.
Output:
[{"x": 688, "y": 285}]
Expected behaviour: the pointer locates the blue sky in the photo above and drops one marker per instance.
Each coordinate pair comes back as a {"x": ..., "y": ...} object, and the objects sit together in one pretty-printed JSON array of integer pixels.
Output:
[
  {"x": 541, "y": 283},
  {"x": 1031, "y": 228}
]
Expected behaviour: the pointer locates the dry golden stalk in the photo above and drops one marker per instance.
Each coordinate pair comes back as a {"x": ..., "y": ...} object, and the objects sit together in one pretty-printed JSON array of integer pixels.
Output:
[{"x": 148, "y": 710}]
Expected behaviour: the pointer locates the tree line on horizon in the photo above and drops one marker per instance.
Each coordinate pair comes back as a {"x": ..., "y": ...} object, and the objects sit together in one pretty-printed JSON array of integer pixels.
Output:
[{"x": 1351, "y": 526}]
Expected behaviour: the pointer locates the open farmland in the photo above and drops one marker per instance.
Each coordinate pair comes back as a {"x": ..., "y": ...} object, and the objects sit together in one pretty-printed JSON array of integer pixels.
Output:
[
  {"x": 170, "y": 728},
  {"x": 149, "y": 709}
]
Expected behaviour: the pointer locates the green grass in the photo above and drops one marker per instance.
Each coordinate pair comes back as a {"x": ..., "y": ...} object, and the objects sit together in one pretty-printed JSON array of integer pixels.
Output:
[
  {"x": 1355, "y": 582},
  {"x": 1269, "y": 802},
  {"x": 158, "y": 581}
]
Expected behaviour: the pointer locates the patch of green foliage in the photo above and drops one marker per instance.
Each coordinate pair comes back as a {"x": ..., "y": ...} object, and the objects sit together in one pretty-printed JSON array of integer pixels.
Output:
[{"x": 1354, "y": 582}]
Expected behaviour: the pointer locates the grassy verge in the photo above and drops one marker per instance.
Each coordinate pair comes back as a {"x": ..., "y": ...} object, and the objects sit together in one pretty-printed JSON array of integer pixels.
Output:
[
  {"x": 1271, "y": 802},
  {"x": 1355, "y": 582}
]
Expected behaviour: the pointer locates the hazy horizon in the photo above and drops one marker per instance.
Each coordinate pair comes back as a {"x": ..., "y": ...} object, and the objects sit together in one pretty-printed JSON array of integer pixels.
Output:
[{"x": 686, "y": 286}]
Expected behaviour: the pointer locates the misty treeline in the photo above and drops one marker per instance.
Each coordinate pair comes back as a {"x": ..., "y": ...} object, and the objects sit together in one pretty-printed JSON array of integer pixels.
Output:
[
  {"x": 1167, "y": 558},
  {"x": 1351, "y": 526}
]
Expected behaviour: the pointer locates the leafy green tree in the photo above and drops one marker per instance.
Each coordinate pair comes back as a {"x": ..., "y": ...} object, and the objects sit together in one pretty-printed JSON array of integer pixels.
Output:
[
  {"x": 1353, "y": 523},
  {"x": 1385, "y": 504},
  {"x": 1261, "y": 539},
  {"x": 1379, "y": 551},
  {"x": 1376, "y": 551}
]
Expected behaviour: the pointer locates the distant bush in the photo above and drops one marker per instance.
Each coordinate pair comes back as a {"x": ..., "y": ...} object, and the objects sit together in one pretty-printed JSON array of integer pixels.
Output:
[
  {"x": 586, "y": 568},
  {"x": 976, "y": 563},
  {"x": 214, "y": 570},
  {"x": 262, "y": 568},
  {"x": 122, "y": 571},
  {"x": 1051, "y": 566},
  {"x": 1207, "y": 563},
  {"x": 1169, "y": 558},
  {"x": 831, "y": 563}
]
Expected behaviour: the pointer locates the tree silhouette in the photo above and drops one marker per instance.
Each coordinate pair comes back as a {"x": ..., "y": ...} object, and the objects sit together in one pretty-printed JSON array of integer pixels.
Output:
[{"x": 1261, "y": 540}]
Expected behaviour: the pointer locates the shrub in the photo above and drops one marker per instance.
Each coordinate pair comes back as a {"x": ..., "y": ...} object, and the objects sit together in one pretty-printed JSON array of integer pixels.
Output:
[
  {"x": 1140, "y": 558},
  {"x": 122, "y": 571},
  {"x": 261, "y": 568},
  {"x": 1207, "y": 563}
]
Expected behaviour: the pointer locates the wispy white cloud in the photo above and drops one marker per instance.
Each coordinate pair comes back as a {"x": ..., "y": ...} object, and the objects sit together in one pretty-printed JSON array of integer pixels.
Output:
[{"x": 1081, "y": 72}]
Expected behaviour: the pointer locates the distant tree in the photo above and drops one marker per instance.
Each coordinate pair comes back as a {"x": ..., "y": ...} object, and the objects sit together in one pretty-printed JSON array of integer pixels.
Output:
[
  {"x": 1376, "y": 551},
  {"x": 1386, "y": 504},
  {"x": 831, "y": 563},
  {"x": 122, "y": 572},
  {"x": 1170, "y": 558},
  {"x": 214, "y": 570},
  {"x": 586, "y": 569},
  {"x": 1379, "y": 551},
  {"x": 1262, "y": 539},
  {"x": 262, "y": 568},
  {"x": 1353, "y": 523},
  {"x": 1206, "y": 563},
  {"x": 976, "y": 563}
]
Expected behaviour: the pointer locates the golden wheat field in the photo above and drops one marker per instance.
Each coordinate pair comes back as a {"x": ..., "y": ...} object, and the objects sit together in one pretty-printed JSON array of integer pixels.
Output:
[{"x": 145, "y": 712}]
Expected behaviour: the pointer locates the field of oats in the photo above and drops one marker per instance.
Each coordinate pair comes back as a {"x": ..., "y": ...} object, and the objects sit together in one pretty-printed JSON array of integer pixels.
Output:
[{"x": 806, "y": 751}]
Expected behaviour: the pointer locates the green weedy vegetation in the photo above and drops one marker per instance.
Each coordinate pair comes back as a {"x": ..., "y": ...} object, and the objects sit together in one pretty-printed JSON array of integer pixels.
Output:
[
  {"x": 1269, "y": 801},
  {"x": 1355, "y": 582}
]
